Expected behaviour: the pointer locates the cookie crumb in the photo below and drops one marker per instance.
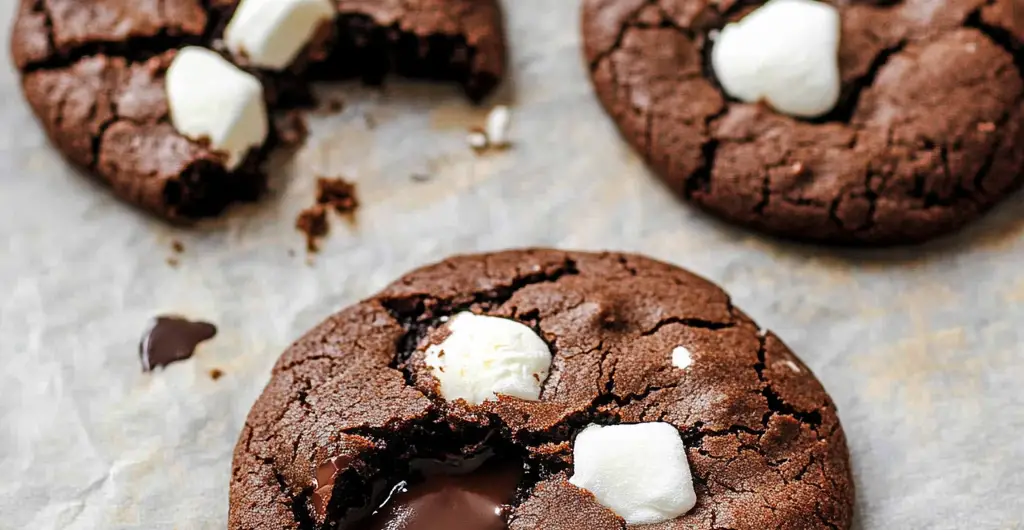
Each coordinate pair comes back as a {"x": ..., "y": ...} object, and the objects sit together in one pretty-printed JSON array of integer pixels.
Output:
[
  {"x": 313, "y": 222},
  {"x": 291, "y": 128},
  {"x": 335, "y": 105},
  {"x": 173, "y": 262},
  {"x": 370, "y": 121},
  {"x": 337, "y": 193},
  {"x": 420, "y": 177},
  {"x": 177, "y": 246},
  {"x": 987, "y": 127},
  {"x": 216, "y": 374}
]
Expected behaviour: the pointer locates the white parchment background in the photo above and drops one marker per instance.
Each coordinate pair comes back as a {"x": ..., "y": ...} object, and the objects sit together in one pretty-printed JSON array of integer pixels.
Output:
[{"x": 921, "y": 349}]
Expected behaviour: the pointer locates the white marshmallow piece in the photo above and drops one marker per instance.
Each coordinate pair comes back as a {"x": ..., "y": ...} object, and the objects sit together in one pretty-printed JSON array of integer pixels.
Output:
[
  {"x": 499, "y": 120},
  {"x": 212, "y": 99},
  {"x": 639, "y": 471},
  {"x": 486, "y": 356},
  {"x": 785, "y": 53},
  {"x": 271, "y": 33},
  {"x": 681, "y": 358}
]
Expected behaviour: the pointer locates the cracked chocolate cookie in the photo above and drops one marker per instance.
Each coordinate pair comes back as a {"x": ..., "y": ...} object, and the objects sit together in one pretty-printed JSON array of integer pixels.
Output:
[
  {"x": 542, "y": 389},
  {"x": 918, "y": 130},
  {"x": 132, "y": 92}
]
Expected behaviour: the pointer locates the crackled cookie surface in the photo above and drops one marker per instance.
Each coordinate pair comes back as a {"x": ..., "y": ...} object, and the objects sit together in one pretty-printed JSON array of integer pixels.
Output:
[
  {"x": 727, "y": 427},
  {"x": 95, "y": 73},
  {"x": 927, "y": 131}
]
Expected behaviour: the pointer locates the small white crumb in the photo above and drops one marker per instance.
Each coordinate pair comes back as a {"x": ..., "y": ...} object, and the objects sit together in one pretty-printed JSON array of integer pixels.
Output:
[
  {"x": 792, "y": 366},
  {"x": 681, "y": 358},
  {"x": 477, "y": 140},
  {"x": 498, "y": 123}
]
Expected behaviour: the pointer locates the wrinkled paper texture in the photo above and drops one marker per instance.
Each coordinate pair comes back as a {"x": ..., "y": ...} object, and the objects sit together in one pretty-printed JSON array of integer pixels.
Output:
[{"x": 921, "y": 348}]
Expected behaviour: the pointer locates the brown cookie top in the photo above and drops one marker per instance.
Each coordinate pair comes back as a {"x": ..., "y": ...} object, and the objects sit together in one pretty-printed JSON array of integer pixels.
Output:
[
  {"x": 928, "y": 134},
  {"x": 93, "y": 73},
  {"x": 353, "y": 397}
]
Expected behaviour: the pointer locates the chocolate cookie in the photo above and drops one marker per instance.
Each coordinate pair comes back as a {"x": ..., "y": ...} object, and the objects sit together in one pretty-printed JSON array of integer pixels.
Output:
[
  {"x": 469, "y": 382},
  {"x": 927, "y": 132},
  {"x": 95, "y": 73}
]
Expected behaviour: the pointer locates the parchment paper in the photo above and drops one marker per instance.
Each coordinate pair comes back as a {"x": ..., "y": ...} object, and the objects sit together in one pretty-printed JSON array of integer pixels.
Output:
[{"x": 921, "y": 348}]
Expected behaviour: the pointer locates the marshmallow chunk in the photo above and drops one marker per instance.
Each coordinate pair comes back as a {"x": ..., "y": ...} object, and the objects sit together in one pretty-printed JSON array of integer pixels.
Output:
[
  {"x": 271, "y": 33},
  {"x": 212, "y": 99},
  {"x": 485, "y": 356},
  {"x": 785, "y": 53},
  {"x": 681, "y": 358},
  {"x": 638, "y": 471}
]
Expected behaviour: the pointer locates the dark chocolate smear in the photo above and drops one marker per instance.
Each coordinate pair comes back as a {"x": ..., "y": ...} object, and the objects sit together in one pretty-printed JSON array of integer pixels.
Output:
[
  {"x": 171, "y": 339},
  {"x": 467, "y": 495}
]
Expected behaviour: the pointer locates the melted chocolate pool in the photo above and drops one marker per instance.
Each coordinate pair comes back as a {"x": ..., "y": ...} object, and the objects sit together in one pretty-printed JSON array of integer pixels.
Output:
[
  {"x": 464, "y": 495},
  {"x": 172, "y": 339}
]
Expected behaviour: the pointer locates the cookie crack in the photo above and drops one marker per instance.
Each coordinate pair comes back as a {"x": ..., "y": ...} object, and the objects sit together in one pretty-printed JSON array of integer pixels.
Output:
[
  {"x": 419, "y": 313},
  {"x": 1002, "y": 37},
  {"x": 850, "y": 102},
  {"x": 132, "y": 49},
  {"x": 690, "y": 323},
  {"x": 776, "y": 403},
  {"x": 628, "y": 24}
]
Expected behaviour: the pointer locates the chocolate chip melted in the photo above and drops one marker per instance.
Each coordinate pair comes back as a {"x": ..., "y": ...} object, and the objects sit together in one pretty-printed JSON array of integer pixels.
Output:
[
  {"x": 172, "y": 339},
  {"x": 468, "y": 494}
]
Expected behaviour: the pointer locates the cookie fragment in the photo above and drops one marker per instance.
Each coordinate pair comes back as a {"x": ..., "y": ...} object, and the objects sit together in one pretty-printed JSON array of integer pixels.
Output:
[
  {"x": 96, "y": 76},
  {"x": 337, "y": 193},
  {"x": 313, "y": 223}
]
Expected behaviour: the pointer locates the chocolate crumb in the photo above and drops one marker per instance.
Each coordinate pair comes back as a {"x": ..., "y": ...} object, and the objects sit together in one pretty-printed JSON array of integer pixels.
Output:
[
  {"x": 177, "y": 246},
  {"x": 337, "y": 193},
  {"x": 313, "y": 222},
  {"x": 216, "y": 374},
  {"x": 291, "y": 128},
  {"x": 335, "y": 105}
]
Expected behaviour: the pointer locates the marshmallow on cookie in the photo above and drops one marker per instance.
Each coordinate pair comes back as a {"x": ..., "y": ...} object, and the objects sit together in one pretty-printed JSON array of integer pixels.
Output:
[
  {"x": 785, "y": 53},
  {"x": 212, "y": 100},
  {"x": 639, "y": 471},
  {"x": 271, "y": 33},
  {"x": 484, "y": 356}
]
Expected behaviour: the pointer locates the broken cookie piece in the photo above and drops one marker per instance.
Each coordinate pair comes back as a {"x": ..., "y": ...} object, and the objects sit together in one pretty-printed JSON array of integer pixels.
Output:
[{"x": 139, "y": 95}]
